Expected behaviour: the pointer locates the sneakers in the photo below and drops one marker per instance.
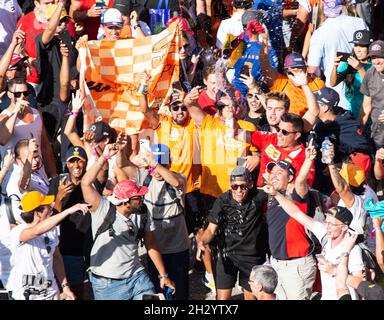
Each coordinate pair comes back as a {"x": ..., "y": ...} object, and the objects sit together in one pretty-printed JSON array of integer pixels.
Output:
[{"x": 209, "y": 282}]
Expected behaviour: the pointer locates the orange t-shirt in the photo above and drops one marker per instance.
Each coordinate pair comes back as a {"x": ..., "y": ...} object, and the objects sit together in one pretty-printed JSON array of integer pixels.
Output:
[
  {"x": 183, "y": 143},
  {"x": 219, "y": 153},
  {"x": 296, "y": 94}
]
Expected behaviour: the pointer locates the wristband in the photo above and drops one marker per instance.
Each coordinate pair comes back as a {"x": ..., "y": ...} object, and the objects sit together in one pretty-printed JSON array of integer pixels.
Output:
[
  {"x": 136, "y": 26},
  {"x": 65, "y": 285},
  {"x": 163, "y": 276},
  {"x": 74, "y": 113},
  {"x": 94, "y": 153},
  {"x": 106, "y": 157},
  {"x": 152, "y": 168}
]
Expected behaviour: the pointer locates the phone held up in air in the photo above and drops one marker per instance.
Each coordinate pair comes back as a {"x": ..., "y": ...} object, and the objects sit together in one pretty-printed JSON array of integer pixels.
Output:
[
  {"x": 144, "y": 146},
  {"x": 344, "y": 56},
  {"x": 100, "y": 4},
  {"x": 66, "y": 177},
  {"x": 245, "y": 70}
]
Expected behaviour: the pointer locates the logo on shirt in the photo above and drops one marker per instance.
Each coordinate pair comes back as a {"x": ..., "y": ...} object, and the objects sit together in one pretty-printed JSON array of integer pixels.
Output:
[{"x": 272, "y": 152}]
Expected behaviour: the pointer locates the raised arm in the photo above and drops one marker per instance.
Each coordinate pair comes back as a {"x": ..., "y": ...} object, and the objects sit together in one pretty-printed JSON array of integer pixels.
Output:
[
  {"x": 91, "y": 196},
  {"x": 297, "y": 27},
  {"x": 301, "y": 182},
  {"x": 26, "y": 173},
  {"x": 150, "y": 115},
  {"x": 64, "y": 73},
  {"x": 9, "y": 159},
  {"x": 341, "y": 186},
  {"x": 268, "y": 71},
  {"x": 190, "y": 101},
  {"x": 378, "y": 168},
  {"x": 48, "y": 223},
  {"x": 8, "y": 122},
  {"x": 69, "y": 131},
  {"x": 50, "y": 31},
  {"x": 300, "y": 79}
]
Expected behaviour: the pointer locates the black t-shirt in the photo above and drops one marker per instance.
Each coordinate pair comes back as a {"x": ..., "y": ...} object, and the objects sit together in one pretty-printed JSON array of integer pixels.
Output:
[
  {"x": 73, "y": 228},
  {"x": 242, "y": 228},
  {"x": 258, "y": 122}
]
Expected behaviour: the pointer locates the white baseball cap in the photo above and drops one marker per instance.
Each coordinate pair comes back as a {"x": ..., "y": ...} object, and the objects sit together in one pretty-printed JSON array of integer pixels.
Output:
[{"x": 112, "y": 17}]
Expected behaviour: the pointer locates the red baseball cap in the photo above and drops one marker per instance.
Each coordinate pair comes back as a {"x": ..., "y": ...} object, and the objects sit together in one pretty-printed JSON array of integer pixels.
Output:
[
  {"x": 126, "y": 190},
  {"x": 17, "y": 58}
]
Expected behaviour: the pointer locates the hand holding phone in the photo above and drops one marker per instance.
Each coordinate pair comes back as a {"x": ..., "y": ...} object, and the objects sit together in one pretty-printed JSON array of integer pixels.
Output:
[
  {"x": 144, "y": 146},
  {"x": 65, "y": 177},
  {"x": 343, "y": 56},
  {"x": 245, "y": 70}
]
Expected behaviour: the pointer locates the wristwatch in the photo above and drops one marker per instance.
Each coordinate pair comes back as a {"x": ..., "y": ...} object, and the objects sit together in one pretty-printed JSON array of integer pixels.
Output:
[
  {"x": 163, "y": 276},
  {"x": 345, "y": 254}
]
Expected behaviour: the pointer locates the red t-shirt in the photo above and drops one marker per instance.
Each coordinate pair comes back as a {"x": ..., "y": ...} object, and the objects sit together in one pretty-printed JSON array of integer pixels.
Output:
[
  {"x": 266, "y": 142},
  {"x": 32, "y": 27},
  {"x": 206, "y": 103}
]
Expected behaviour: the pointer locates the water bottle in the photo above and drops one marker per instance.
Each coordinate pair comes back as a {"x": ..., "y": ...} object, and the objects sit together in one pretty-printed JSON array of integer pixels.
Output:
[{"x": 325, "y": 146}]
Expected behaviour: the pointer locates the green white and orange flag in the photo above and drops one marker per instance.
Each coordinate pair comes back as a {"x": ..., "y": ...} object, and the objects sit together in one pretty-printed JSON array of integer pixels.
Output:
[{"x": 110, "y": 74}]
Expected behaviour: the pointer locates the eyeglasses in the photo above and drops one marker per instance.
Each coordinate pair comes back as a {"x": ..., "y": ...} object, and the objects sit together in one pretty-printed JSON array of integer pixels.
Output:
[
  {"x": 285, "y": 132},
  {"x": 332, "y": 224},
  {"x": 18, "y": 94},
  {"x": 47, "y": 246},
  {"x": 133, "y": 199},
  {"x": 242, "y": 187},
  {"x": 250, "y": 96},
  {"x": 176, "y": 107}
]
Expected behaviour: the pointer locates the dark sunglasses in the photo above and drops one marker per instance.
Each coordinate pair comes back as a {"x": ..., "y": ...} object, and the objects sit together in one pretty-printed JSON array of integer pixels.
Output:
[
  {"x": 186, "y": 46},
  {"x": 47, "y": 246},
  {"x": 242, "y": 187},
  {"x": 18, "y": 94},
  {"x": 133, "y": 198},
  {"x": 176, "y": 107},
  {"x": 285, "y": 132},
  {"x": 250, "y": 96}
]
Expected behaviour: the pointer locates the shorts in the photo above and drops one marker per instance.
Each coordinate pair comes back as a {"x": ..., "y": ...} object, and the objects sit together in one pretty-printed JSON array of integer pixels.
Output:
[{"x": 229, "y": 269}]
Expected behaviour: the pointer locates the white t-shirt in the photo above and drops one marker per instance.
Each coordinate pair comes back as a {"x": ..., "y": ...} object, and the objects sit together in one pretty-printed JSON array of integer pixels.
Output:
[
  {"x": 333, "y": 255},
  {"x": 34, "y": 257},
  {"x": 359, "y": 221},
  {"x": 5, "y": 251},
  {"x": 10, "y": 12},
  {"x": 232, "y": 26},
  {"x": 332, "y": 36}
]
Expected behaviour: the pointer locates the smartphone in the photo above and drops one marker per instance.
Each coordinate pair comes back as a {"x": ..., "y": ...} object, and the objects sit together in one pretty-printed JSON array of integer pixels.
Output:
[
  {"x": 100, "y": 4},
  {"x": 168, "y": 293},
  {"x": 245, "y": 70},
  {"x": 198, "y": 51},
  {"x": 144, "y": 145},
  {"x": 65, "y": 176},
  {"x": 241, "y": 161},
  {"x": 151, "y": 297},
  {"x": 66, "y": 38},
  {"x": 344, "y": 55}
]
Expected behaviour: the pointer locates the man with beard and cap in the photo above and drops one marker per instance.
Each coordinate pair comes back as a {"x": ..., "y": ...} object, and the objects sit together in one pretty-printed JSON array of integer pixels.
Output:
[{"x": 116, "y": 272}]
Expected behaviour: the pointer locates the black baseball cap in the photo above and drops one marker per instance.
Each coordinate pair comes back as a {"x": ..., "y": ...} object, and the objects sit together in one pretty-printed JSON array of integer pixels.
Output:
[
  {"x": 341, "y": 213},
  {"x": 284, "y": 164},
  {"x": 242, "y": 173},
  {"x": 102, "y": 130},
  {"x": 327, "y": 96},
  {"x": 370, "y": 291},
  {"x": 362, "y": 38}
]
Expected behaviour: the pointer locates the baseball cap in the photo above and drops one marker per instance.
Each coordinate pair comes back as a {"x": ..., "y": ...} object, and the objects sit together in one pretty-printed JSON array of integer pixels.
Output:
[
  {"x": 294, "y": 60},
  {"x": 361, "y": 37},
  {"x": 124, "y": 6},
  {"x": 352, "y": 174},
  {"x": 17, "y": 59},
  {"x": 370, "y": 291},
  {"x": 333, "y": 8},
  {"x": 327, "y": 96},
  {"x": 341, "y": 213},
  {"x": 240, "y": 172},
  {"x": 76, "y": 152},
  {"x": 124, "y": 191},
  {"x": 112, "y": 17},
  {"x": 186, "y": 26},
  {"x": 161, "y": 153},
  {"x": 250, "y": 15},
  {"x": 101, "y": 129},
  {"x": 51, "y": 9},
  {"x": 376, "y": 49},
  {"x": 285, "y": 164},
  {"x": 35, "y": 199}
]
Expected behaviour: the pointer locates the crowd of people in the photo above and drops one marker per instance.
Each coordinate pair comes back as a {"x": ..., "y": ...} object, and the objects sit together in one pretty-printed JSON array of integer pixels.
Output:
[{"x": 259, "y": 172}]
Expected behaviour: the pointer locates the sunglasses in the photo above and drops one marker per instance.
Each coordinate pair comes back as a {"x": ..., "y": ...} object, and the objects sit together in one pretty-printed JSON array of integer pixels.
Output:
[
  {"x": 243, "y": 187},
  {"x": 133, "y": 198},
  {"x": 285, "y": 132},
  {"x": 19, "y": 66},
  {"x": 177, "y": 107},
  {"x": 47, "y": 246},
  {"x": 186, "y": 46},
  {"x": 250, "y": 96},
  {"x": 18, "y": 94}
]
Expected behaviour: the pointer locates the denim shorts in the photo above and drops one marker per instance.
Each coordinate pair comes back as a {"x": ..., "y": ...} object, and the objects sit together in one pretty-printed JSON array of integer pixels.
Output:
[{"x": 131, "y": 288}]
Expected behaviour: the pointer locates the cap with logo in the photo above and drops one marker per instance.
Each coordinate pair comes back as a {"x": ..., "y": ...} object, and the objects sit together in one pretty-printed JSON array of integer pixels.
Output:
[
  {"x": 370, "y": 291},
  {"x": 101, "y": 129},
  {"x": 35, "y": 199},
  {"x": 161, "y": 153},
  {"x": 361, "y": 38},
  {"x": 376, "y": 49},
  {"x": 112, "y": 17},
  {"x": 17, "y": 60},
  {"x": 327, "y": 96},
  {"x": 76, "y": 152},
  {"x": 124, "y": 191},
  {"x": 51, "y": 9},
  {"x": 240, "y": 173},
  {"x": 333, "y": 8},
  {"x": 352, "y": 174},
  {"x": 341, "y": 213},
  {"x": 285, "y": 164},
  {"x": 294, "y": 60}
]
